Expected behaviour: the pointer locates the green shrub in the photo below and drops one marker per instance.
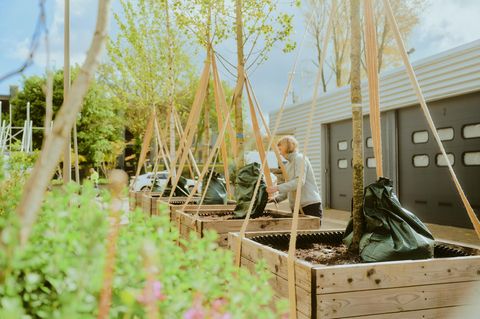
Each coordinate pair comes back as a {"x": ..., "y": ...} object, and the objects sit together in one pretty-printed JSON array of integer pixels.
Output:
[
  {"x": 14, "y": 170},
  {"x": 58, "y": 274}
]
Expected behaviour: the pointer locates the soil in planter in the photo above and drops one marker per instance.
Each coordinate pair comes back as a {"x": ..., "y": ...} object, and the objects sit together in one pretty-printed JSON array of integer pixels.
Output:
[
  {"x": 327, "y": 254},
  {"x": 231, "y": 216},
  {"x": 326, "y": 248}
]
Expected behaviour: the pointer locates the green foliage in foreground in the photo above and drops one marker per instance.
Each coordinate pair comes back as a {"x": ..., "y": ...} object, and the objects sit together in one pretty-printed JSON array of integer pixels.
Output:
[{"x": 58, "y": 274}]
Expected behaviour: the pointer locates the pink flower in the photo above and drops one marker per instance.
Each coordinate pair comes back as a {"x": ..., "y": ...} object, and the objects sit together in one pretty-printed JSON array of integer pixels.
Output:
[
  {"x": 157, "y": 290},
  {"x": 195, "y": 313},
  {"x": 151, "y": 293},
  {"x": 222, "y": 316},
  {"x": 217, "y": 304}
]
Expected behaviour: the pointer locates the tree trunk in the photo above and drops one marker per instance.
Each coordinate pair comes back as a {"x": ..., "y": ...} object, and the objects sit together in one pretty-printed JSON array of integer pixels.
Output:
[
  {"x": 49, "y": 157},
  {"x": 357, "y": 126},
  {"x": 237, "y": 97},
  {"x": 67, "y": 165},
  {"x": 319, "y": 54},
  {"x": 171, "y": 91}
]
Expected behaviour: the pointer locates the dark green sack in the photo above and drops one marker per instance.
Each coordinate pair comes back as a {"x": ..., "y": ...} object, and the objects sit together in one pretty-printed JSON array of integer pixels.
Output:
[
  {"x": 217, "y": 189},
  {"x": 180, "y": 191},
  {"x": 390, "y": 231},
  {"x": 245, "y": 182}
]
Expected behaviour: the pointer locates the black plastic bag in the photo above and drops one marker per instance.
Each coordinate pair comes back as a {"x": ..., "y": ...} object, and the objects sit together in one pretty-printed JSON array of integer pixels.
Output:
[
  {"x": 217, "y": 189},
  {"x": 180, "y": 191},
  {"x": 245, "y": 182},
  {"x": 390, "y": 231}
]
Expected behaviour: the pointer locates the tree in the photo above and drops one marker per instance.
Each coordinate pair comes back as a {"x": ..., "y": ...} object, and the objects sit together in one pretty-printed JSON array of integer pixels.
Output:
[
  {"x": 316, "y": 14},
  {"x": 99, "y": 127},
  {"x": 255, "y": 22},
  {"x": 33, "y": 92},
  {"x": 257, "y": 26},
  {"x": 49, "y": 157},
  {"x": 137, "y": 73},
  {"x": 357, "y": 125}
]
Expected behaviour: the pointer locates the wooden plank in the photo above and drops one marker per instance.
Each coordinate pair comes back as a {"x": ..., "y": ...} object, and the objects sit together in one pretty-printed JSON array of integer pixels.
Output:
[
  {"x": 300, "y": 315},
  {"x": 275, "y": 260},
  {"x": 161, "y": 208},
  {"x": 146, "y": 204},
  {"x": 131, "y": 200},
  {"x": 223, "y": 240},
  {"x": 138, "y": 199},
  {"x": 436, "y": 313},
  {"x": 280, "y": 289},
  {"x": 185, "y": 231},
  {"x": 379, "y": 301},
  {"x": 212, "y": 208},
  {"x": 396, "y": 274},
  {"x": 259, "y": 224}
]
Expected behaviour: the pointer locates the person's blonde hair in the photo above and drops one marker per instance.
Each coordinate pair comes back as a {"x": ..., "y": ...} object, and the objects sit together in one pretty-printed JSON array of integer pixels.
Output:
[{"x": 290, "y": 142}]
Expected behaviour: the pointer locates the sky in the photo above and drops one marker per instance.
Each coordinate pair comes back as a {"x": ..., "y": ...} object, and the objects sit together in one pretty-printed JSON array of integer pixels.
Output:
[{"x": 444, "y": 24}]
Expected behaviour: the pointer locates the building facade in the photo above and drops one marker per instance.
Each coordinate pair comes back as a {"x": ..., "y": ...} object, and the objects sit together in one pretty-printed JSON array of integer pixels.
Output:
[{"x": 450, "y": 82}]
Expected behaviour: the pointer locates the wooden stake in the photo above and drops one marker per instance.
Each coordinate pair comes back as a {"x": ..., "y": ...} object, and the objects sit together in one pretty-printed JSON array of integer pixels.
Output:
[
  {"x": 219, "y": 99},
  {"x": 426, "y": 112},
  {"x": 67, "y": 166},
  {"x": 267, "y": 130},
  {"x": 258, "y": 139},
  {"x": 373, "y": 87},
  {"x": 186, "y": 141},
  {"x": 118, "y": 181}
]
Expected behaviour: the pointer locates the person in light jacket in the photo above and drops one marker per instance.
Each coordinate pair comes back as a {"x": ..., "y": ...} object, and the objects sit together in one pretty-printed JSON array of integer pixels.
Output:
[{"x": 310, "y": 201}]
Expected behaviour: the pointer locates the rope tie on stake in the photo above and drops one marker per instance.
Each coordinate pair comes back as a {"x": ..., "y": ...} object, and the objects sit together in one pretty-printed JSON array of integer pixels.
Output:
[
  {"x": 373, "y": 86},
  {"x": 423, "y": 104},
  {"x": 238, "y": 251}
]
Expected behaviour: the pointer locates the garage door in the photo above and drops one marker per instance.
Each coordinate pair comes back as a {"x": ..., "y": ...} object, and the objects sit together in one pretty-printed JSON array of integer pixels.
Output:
[
  {"x": 426, "y": 187},
  {"x": 340, "y": 147}
]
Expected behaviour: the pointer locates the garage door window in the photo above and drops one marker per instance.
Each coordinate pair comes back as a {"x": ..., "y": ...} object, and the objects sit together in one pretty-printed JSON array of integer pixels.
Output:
[
  {"x": 371, "y": 162},
  {"x": 342, "y": 145},
  {"x": 446, "y": 133},
  {"x": 421, "y": 160},
  {"x": 342, "y": 163},
  {"x": 420, "y": 137},
  {"x": 471, "y": 158},
  {"x": 471, "y": 131},
  {"x": 369, "y": 142},
  {"x": 441, "y": 161}
]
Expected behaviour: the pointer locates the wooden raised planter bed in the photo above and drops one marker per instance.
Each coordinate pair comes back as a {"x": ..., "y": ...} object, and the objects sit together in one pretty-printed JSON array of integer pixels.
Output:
[
  {"x": 131, "y": 200},
  {"x": 193, "y": 206},
  {"x": 221, "y": 222},
  {"x": 148, "y": 202},
  {"x": 135, "y": 199},
  {"x": 429, "y": 288}
]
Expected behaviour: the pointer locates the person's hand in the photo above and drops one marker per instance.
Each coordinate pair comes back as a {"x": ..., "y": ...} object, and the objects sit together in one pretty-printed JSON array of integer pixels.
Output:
[
  {"x": 272, "y": 190},
  {"x": 272, "y": 199}
]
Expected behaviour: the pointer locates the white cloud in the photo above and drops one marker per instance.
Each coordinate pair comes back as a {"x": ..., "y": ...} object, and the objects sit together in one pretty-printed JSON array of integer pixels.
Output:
[
  {"x": 445, "y": 24},
  {"x": 82, "y": 23}
]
